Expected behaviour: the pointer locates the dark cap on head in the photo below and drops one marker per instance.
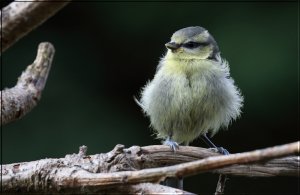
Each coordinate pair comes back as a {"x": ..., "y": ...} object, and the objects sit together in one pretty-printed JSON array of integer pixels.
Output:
[{"x": 189, "y": 31}]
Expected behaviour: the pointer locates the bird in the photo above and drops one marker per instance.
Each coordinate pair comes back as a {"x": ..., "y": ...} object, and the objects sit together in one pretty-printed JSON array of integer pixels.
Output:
[{"x": 192, "y": 94}]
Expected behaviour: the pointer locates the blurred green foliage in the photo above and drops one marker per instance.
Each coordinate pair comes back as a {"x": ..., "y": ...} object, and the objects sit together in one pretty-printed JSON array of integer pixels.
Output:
[{"x": 105, "y": 53}]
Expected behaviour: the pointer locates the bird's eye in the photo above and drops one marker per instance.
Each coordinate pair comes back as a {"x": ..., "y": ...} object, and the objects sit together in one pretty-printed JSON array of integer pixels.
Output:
[{"x": 191, "y": 45}]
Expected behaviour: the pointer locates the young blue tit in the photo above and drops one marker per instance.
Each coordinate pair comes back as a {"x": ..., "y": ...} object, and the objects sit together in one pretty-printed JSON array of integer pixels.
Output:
[{"x": 192, "y": 92}]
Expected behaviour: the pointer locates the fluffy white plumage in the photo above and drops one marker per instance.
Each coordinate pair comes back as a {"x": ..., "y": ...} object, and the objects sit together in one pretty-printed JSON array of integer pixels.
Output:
[{"x": 191, "y": 94}]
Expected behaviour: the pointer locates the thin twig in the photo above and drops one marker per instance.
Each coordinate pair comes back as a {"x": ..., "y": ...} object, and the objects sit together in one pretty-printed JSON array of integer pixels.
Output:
[
  {"x": 221, "y": 184},
  {"x": 19, "y": 18},
  {"x": 287, "y": 166},
  {"x": 19, "y": 100}
]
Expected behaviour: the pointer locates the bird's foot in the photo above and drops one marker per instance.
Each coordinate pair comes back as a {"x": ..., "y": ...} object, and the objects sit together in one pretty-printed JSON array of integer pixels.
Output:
[
  {"x": 173, "y": 145},
  {"x": 223, "y": 151},
  {"x": 220, "y": 150},
  {"x": 214, "y": 148}
]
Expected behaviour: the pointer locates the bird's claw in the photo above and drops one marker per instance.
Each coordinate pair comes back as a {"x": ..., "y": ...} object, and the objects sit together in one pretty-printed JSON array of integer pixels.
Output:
[
  {"x": 173, "y": 145},
  {"x": 223, "y": 151},
  {"x": 220, "y": 150}
]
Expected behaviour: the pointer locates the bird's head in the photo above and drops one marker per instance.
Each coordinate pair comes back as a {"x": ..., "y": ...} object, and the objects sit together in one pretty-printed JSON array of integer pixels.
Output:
[{"x": 192, "y": 43}]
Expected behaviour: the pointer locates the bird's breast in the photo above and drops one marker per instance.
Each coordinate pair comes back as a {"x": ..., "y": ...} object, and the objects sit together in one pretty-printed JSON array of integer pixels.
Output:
[{"x": 191, "y": 86}]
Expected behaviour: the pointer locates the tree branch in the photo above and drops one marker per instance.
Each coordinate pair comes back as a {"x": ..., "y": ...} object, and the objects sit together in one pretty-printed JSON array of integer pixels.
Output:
[
  {"x": 19, "y": 100},
  {"x": 121, "y": 167},
  {"x": 287, "y": 166},
  {"x": 19, "y": 18},
  {"x": 142, "y": 188}
]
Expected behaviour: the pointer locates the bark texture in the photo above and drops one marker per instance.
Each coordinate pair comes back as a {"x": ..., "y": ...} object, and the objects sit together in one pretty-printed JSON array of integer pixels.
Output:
[
  {"x": 121, "y": 167},
  {"x": 19, "y": 100},
  {"x": 19, "y": 18}
]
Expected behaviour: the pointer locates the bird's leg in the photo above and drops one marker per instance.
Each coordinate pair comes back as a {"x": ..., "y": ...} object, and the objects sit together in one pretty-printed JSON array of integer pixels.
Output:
[
  {"x": 169, "y": 142},
  {"x": 212, "y": 145}
]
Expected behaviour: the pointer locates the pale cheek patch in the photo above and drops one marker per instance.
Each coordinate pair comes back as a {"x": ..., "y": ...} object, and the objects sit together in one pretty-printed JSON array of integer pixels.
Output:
[{"x": 201, "y": 53}]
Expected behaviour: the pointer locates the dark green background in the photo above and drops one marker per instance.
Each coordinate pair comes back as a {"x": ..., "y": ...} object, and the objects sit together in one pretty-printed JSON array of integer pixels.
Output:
[{"x": 105, "y": 53}]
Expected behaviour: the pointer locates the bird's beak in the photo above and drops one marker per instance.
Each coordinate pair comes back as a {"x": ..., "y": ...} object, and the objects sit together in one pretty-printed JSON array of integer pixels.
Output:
[{"x": 172, "y": 46}]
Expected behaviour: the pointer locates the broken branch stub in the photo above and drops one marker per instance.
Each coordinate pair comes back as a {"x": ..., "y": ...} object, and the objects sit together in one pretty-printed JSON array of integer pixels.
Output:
[{"x": 19, "y": 100}]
